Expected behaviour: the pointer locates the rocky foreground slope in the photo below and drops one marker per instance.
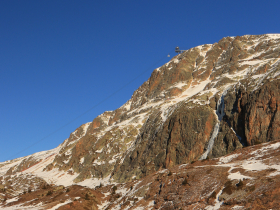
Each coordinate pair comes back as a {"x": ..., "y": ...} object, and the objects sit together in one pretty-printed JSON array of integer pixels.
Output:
[{"x": 161, "y": 148}]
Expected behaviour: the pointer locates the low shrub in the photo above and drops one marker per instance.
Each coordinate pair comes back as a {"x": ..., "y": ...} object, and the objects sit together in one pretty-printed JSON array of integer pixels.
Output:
[
  {"x": 49, "y": 193},
  {"x": 87, "y": 197},
  {"x": 185, "y": 182},
  {"x": 240, "y": 184},
  {"x": 252, "y": 188},
  {"x": 213, "y": 195},
  {"x": 228, "y": 188}
]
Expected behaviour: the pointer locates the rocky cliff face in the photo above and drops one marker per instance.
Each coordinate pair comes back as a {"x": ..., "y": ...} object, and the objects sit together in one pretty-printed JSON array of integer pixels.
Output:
[{"x": 205, "y": 103}]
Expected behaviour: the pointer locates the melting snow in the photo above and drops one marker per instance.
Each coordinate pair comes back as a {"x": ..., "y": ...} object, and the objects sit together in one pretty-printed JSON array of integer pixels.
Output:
[
  {"x": 273, "y": 36},
  {"x": 251, "y": 63},
  {"x": 163, "y": 171},
  {"x": 277, "y": 167},
  {"x": 238, "y": 176},
  {"x": 196, "y": 89},
  {"x": 123, "y": 191},
  {"x": 151, "y": 204},
  {"x": 21, "y": 207},
  {"x": 99, "y": 151},
  {"x": 238, "y": 207},
  {"x": 93, "y": 182},
  {"x": 217, "y": 202},
  {"x": 60, "y": 204},
  {"x": 261, "y": 152},
  {"x": 254, "y": 165},
  {"x": 127, "y": 105},
  {"x": 227, "y": 159},
  {"x": 11, "y": 200},
  {"x": 82, "y": 160},
  {"x": 176, "y": 60}
]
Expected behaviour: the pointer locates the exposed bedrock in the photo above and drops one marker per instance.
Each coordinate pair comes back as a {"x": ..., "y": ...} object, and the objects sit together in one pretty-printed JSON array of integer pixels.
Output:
[
  {"x": 180, "y": 139},
  {"x": 253, "y": 117}
]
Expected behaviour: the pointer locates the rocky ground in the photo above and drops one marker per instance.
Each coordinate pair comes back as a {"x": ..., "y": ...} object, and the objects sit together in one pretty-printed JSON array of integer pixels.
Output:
[
  {"x": 167, "y": 146},
  {"x": 248, "y": 178}
]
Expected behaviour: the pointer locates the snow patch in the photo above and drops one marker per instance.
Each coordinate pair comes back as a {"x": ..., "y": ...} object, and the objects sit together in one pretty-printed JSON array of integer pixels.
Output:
[
  {"x": 12, "y": 200},
  {"x": 93, "y": 182},
  {"x": 23, "y": 207},
  {"x": 82, "y": 160},
  {"x": 261, "y": 152},
  {"x": 254, "y": 165},
  {"x": 195, "y": 89},
  {"x": 227, "y": 159},
  {"x": 277, "y": 167},
  {"x": 127, "y": 105},
  {"x": 150, "y": 204},
  {"x": 60, "y": 204},
  {"x": 238, "y": 207},
  {"x": 217, "y": 202},
  {"x": 238, "y": 176},
  {"x": 273, "y": 36}
]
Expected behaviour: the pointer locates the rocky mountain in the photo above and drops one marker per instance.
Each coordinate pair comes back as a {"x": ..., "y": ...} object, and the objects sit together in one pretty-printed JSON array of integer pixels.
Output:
[{"x": 167, "y": 147}]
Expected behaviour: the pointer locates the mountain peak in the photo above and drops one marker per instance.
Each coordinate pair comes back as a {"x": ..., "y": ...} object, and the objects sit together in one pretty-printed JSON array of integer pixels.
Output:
[{"x": 205, "y": 103}]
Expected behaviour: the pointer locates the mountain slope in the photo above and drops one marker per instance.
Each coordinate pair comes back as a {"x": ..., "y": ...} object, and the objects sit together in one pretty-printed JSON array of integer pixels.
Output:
[
  {"x": 248, "y": 178},
  {"x": 205, "y": 103}
]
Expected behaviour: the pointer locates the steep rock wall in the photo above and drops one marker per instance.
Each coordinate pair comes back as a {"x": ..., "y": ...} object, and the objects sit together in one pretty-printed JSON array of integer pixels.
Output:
[
  {"x": 250, "y": 117},
  {"x": 180, "y": 139}
]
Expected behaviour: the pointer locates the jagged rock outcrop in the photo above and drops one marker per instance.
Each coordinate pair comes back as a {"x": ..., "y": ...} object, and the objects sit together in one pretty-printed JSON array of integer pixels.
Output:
[
  {"x": 254, "y": 116},
  {"x": 180, "y": 139}
]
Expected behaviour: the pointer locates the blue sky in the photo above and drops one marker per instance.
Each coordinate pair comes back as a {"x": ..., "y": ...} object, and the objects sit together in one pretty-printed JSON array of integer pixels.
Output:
[{"x": 62, "y": 58}]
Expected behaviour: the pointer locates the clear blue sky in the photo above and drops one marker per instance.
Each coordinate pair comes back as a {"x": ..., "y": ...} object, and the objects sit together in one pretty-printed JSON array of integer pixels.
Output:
[{"x": 60, "y": 58}]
